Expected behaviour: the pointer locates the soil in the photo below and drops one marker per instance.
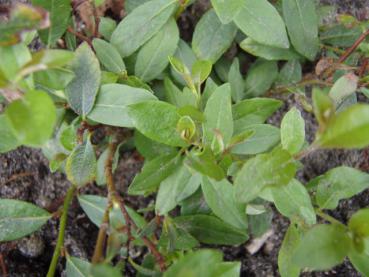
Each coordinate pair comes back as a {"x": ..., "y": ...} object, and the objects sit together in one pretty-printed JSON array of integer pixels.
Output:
[{"x": 24, "y": 175}]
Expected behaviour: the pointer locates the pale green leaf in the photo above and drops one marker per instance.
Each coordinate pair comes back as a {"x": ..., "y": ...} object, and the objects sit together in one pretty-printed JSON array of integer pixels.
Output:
[
  {"x": 108, "y": 56},
  {"x": 260, "y": 77},
  {"x": 276, "y": 168},
  {"x": 293, "y": 131},
  {"x": 211, "y": 38},
  {"x": 290, "y": 73},
  {"x": 141, "y": 24},
  {"x": 262, "y": 22},
  {"x": 343, "y": 87},
  {"x": 236, "y": 81},
  {"x": 227, "y": 10},
  {"x": 8, "y": 140},
  {"x": 82, "y": 90},
  {"x": 112, "y": 104},
  {"x": 302, "y": 24},
  {"x": 285, "y": 265},
  {"x": 19, "y": 218},
  {"x": 77, "y": 267},
  {"x": 152, "y": 58}
]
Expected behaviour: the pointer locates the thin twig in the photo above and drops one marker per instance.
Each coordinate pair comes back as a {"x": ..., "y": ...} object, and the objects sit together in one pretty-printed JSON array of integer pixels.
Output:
[
  {"x": 19, "y": 176},
  {"x": 79, "y": 35},
  {"x": 63, "y": 221},
  {"x": 117, "y": 199},
  {"x": 3, "y": 266},
  {"x": 356, "y": 44},
  {"x": 101, "y": 237}
]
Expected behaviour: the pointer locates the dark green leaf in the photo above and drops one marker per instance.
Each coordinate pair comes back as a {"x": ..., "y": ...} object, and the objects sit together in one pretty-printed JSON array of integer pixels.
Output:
[
  {"x": 141, "y": 24},
  {"x": 157, "y": 120},
  {"x": 152, "y": 58},
  {"x": 19, "y": 218},
  {"x": 340, "y": 36},
  {"x": 236, "y": 81},
  {"x": 211, "y": 38},
  {"x": 150, "y": 149},
  {"x": 302, "y": 24},
  {"x": 81, "y": 164},
  {"x": 262, "y": 22},
  {"x": 82, "y": 91},
  {"x": 209, "y": 229},
  {"x": 359, "y": 223},
  {"x": 322, "y": 247},
  {"x": 290, "y": 73},
  {"x": 177, "y": 97},
  {"x": 112, "y": 104}
]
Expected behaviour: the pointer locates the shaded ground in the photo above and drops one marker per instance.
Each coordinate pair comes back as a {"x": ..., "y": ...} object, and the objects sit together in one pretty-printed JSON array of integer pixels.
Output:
[{"x": 24, "y": 175}]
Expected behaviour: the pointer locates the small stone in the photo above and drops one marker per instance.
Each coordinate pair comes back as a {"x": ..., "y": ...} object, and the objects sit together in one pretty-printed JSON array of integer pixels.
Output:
[{"x": 31, "y": 247}]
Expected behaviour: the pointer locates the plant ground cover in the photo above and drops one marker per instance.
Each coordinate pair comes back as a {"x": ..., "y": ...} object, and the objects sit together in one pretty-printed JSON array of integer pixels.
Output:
[{"x": 78, "y": 243}]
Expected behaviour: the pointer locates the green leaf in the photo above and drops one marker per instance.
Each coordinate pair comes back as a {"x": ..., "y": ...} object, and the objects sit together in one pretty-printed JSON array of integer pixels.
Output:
[
  {"x": 107, "y": 27},
  {"x": 211, "y": 230},
  {"x": 343, "y": 87},
  {"x": 323, "y": 107},
  {"x": 218, "y": 116},
  {"x": 227, "y": 10},
  {"x": 349, "y": 129},
  {"x": 254, "y": 111},
  {"x": 81, "y": 164},
  {"x": 82, "y": 91},
  {"x": 22, "y": 18},
  {"x": 260, "y": 77},
  {"x": 228, "y": 269},
  {"x": 293, "y": 131},
  {"x": 339, "y": 183},
  {"x": 59, "y": 14},
  {"x": 178, "y": 186},
  {"x": 13, "y": 58},
  {"x": 53, "y": 79},
  {"x": 201, "y": 70},
  {"x": 141, "y": 24},
  {"x": 152, "y": 58},
  {"x": 8, "y": 140},
  {"x": 112, "y": 104},
  {"x": 360, "y": 262},
  {"x": 263, "y": 138},
  {"x": 153, "y": 173},
  {"x": 94, "y": 206},
  {"x": 184, "y": 54},
  {"x": 322, "y": 247},
  {"x": 157, "y": 120},
  {"x": 285, "y": 265},
  {"x": 130, "y": 5},
  {"x": 32, "y": 118},
  {"x": 77, "y": 267},
  {"x": 262, "y": 22},
  {"x": 109, "y": 56},
  {"x": 102, "y": 270},
  {"x": 220, "y": 198},
  {"x": 267, "y": 52},
  {"x": 100, "y": 166},
  {"x": 302, "y": 24},
  {"x": 276, "y": 168},
  {"x": 148, "y": 148},
  {"x": 205, "y": 163},
  {"x": 211, "y": 38},
  {"x": 293, "y": 201},
  {"x": 340, "y": 36},
  {"x": 261, "y": 223},
  {"x": 177, "y": 97},
  {"x": 199, "y": 263},
  {"x": 195, "y": 204},
  {"x": 291, "y": 73},
  {"x": 236, "y": 81},
  {"x": 19, "y": 218},
  {"x": 359, "y": 223}
]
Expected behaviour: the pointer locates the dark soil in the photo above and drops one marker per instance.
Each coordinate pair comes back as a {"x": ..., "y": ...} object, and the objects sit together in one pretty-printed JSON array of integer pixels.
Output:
[{"x": 24, "y": 175}]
